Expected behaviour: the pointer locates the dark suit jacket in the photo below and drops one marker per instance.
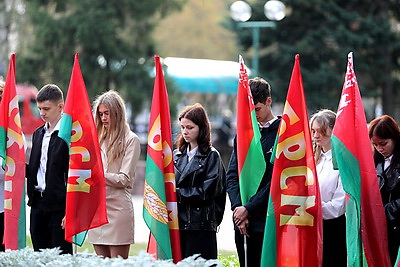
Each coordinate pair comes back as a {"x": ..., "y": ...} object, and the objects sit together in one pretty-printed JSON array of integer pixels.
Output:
[
  {"x": 56, "y": 173},
  {"x": 258, "y": 203}
]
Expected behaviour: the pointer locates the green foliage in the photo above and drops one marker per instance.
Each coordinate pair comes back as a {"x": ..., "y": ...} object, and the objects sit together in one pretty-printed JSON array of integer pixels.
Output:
[
  {"x": 196, "y": 32},
  {"x": 323, "y": 33},
  {"x": 226, "y": 258},
  {"x": 113, "y": 39},
  {"x": 229, "y": 261}
]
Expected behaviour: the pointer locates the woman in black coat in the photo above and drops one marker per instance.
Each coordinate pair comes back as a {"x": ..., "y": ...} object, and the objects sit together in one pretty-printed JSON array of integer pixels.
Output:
[
  {"x": 200, "y": 184},
  {"x": 385, "y": 138}
]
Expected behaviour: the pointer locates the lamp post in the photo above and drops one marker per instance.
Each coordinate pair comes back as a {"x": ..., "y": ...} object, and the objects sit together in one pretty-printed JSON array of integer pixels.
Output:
[{"x": 274, "y": 10}]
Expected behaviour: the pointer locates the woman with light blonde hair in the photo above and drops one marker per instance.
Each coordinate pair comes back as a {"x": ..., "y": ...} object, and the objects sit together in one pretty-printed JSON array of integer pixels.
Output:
[
  {"x": 120, "y": 151},
  {"x": 333, "y": 196}
]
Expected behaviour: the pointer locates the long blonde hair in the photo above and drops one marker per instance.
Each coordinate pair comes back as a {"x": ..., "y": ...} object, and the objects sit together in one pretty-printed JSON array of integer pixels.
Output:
[
  {"x": 114, "y": 136},
  {"x": 326, "y": 119}
]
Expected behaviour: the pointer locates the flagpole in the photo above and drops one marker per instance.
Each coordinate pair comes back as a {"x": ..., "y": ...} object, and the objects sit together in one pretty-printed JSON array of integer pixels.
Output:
[{"x": 245, "y": 250}]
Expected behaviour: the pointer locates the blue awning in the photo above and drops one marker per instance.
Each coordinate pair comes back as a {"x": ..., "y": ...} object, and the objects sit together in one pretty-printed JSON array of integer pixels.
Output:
[{"x": 203, "y": 75}]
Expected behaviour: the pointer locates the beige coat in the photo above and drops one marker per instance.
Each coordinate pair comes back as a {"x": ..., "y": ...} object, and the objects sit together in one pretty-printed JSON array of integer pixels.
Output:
[{"x": 119, "y": 181}]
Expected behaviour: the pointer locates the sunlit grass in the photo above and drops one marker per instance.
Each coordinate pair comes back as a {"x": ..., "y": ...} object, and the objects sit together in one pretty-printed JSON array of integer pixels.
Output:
[{"x": 137, "y": 248}]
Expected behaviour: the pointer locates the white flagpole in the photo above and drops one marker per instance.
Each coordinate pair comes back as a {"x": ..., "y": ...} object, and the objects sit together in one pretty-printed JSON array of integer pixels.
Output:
[{"x": 245, "y": 250}]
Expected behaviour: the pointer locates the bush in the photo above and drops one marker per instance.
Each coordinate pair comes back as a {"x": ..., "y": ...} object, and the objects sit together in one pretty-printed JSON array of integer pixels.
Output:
[{"x": 52, "y": 257}]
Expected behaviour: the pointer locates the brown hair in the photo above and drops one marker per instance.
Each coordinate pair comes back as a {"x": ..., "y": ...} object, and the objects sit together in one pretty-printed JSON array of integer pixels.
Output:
[
  {"x": 197, "y": 114},
  {"x": 260, "y": 90},
  {"x": 385, "y": 127},
  {"x": 50, "y": 92}
]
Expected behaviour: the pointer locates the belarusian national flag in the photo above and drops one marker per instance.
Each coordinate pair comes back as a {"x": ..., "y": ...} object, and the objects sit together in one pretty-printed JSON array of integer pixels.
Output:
[
  {"x": 160, "y": 210},
  {"x": 366, "y": 233},
  {"x": 293, "y": 231},
  {"x": 86, "y": 188},
  {"x": 13, "y": 153},
  {"x": 251, "y": 162}
]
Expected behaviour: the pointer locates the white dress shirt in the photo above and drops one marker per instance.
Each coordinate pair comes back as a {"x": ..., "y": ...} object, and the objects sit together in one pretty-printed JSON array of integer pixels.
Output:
[
  {"x": 333, "y": 196},
  {"x": 191, "y": 153},
  {"x": 41, "y": 174},
  {"x": 387, "y": 162},
  {"x": 268, "y": 123}
]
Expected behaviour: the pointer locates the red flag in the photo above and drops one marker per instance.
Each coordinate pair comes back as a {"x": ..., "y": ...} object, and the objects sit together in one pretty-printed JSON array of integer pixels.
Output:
[
  {"x": 86, "y": 189},
  {"x": 366, "y": 232},
  {"x": 249, "y": 150},
  {"x": 160, "y": 210},
  {"x": 293, "y": 232},
  {"x": 13, "y": 153}
]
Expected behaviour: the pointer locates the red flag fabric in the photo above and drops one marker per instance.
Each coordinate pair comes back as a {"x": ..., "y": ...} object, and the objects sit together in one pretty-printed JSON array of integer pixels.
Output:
[
  {"x": 13, "y": 153},
  {"x": 249, "y": 149},
  {"x": 160, "y": 210},
  {"x": 352, "y": 154},
  {"x": 86, "y": 189},
  {"x": 293, "y": 232}
]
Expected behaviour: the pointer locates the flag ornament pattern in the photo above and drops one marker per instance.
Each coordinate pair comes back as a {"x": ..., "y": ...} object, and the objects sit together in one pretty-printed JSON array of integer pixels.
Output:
[
  {"x": 86, "y": 189},
  {"x": 160, "y": 210},
  {"x": 13, "y": 154},
  {"x": 249, "y": 149},
  {"x": 366, "y": 232},
  {"x": 293, "y": 232},
  {"x": 154, "y": 205}
]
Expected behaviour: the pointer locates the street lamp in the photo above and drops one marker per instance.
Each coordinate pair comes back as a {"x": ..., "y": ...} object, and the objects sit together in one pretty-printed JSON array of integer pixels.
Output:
[{"x": 274, "y": 10}]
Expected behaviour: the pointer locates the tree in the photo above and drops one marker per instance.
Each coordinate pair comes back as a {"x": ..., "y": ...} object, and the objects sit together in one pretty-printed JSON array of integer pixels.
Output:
[
  {"x": 197, "y": 32},
  {"x": 112, "y": 37},
  {"x": 323, "y": 32},
  {"x": 10, "y": 17}
]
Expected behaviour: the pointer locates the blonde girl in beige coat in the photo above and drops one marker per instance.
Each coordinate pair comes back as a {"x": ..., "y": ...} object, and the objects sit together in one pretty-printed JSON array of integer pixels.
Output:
[{"x": 120, "y": 150}]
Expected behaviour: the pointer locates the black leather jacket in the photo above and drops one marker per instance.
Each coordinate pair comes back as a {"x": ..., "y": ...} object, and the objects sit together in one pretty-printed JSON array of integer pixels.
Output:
[
  {"x": 201, "y": 190},
  {"x": 389, "y": 184}
]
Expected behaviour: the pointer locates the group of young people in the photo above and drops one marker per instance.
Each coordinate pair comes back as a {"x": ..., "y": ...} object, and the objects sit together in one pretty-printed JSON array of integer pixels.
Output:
[
  {"x": 201, "y": 192},
  {"x": 201, "y": 180},
  {"x": 47, "y": 174}
]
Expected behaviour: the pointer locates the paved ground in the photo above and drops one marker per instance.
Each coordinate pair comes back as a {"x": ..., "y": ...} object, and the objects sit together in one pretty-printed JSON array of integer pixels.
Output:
[{"x": 225, "y": 236}]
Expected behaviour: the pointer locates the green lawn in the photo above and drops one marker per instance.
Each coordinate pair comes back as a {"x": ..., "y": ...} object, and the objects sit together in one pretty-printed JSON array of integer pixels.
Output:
[{"x": 135, "y": 248}]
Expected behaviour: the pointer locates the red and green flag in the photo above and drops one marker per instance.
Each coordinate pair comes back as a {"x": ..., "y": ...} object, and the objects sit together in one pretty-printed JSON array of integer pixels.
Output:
[
  {"x": 366, "y": 232},
  {"x": 86, "y": 188},
  {"x": 249, "y": 149},
  {"x": 13, "y": 154},
  {"x": 160, "y": 210},
  {"x": 293, "y": 231}
]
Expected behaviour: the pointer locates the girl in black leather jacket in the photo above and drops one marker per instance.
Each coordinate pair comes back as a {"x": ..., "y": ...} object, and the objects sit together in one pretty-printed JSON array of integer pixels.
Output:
[
  {"x": 200, "y": 184},
  {"x": 385, "y": 138}
]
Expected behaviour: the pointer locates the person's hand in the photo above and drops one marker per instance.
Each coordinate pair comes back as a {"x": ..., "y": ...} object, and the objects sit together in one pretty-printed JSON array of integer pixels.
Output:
[
  {"x": 240, "y": 214},
  {"x": 243, "y": 227},
  {"x": 63, "y": 223}
]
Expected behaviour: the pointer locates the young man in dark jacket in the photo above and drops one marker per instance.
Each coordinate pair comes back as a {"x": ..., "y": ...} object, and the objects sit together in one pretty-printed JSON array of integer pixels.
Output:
[
  {"x": 249, "y": 219},
  {"x": 47, "y": 174}
]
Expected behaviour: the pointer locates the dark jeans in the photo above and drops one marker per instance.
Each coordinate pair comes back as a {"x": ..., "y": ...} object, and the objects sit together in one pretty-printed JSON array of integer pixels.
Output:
[
  {"x": 334, "y": 246},
  {"x": 254, "y": 248},
  {"x": 45, "y": 228},
  {"x": 199, "y": 242}
]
